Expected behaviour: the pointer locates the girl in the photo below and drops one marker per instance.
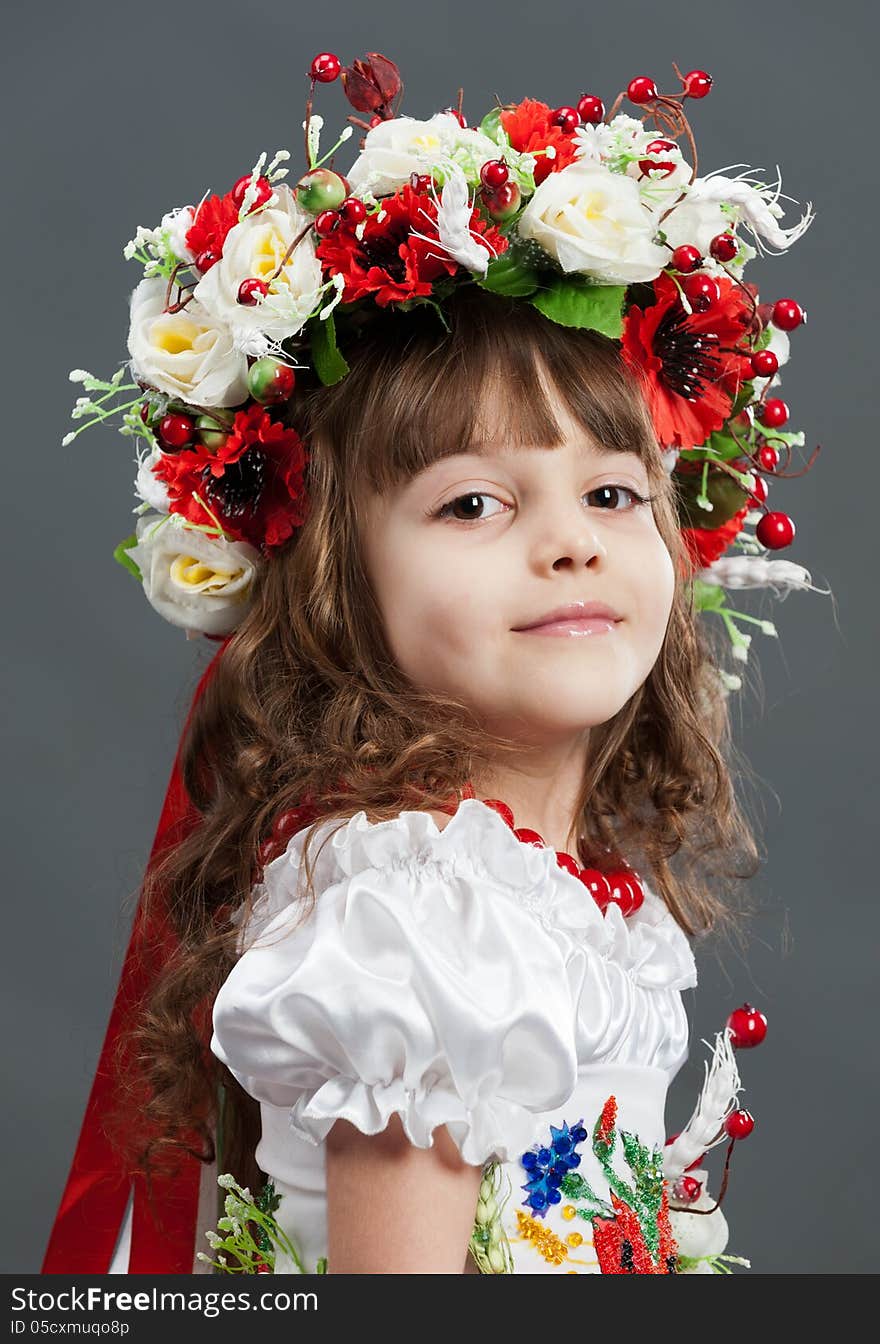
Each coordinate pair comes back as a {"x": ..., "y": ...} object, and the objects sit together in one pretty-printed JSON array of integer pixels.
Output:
[{"x": 468, "y": 709}]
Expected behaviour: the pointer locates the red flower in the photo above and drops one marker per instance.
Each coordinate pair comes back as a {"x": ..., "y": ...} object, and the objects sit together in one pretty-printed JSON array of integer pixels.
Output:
[
  {"x": 389, "y": 262},
  {"x": 213, "y": 220},
  {"x": 706, "y": 544},
  {"x": 253, "y": 483},
  {"x": 690, "y": 363},
  {"x": 529, "y": 128}
]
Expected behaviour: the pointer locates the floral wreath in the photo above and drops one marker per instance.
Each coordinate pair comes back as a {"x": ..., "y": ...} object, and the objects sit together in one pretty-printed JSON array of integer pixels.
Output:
[{"x": 597, "y": 220}]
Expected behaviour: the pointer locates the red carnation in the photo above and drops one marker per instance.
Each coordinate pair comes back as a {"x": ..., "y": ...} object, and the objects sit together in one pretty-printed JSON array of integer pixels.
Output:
[
  {"x": 389, "y": 261},
  {"x": 705, "y": 544},
  {"x": 213, "y": 220},
  {"x": 691, "y": 364},
  {"x": 529, "y": 128},
  {"x": 253, "y": 483}
]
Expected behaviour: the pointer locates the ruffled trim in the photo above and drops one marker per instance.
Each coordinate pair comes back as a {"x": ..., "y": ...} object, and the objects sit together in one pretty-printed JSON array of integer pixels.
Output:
[
  {"x": 649, "y": 945},
  {"x": 492, "y": 1127}
]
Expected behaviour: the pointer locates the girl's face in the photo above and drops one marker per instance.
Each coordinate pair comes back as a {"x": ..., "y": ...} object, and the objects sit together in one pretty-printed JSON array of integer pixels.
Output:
[{"x": 481, "y": 543}]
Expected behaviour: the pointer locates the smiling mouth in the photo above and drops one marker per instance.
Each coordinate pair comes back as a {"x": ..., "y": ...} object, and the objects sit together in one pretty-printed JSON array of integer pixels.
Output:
[{"x": 572, "y": 627}]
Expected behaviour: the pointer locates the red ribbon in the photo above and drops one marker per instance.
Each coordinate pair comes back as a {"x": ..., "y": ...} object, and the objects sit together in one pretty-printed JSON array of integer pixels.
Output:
[{"x": 95, "y": 1196}]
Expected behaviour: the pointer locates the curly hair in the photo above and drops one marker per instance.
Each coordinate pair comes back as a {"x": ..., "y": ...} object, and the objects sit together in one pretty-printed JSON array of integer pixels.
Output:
[{"x": 307, "y": 702}]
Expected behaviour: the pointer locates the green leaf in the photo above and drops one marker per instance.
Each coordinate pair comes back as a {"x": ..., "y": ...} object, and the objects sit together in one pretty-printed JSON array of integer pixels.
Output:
[
  {"x": 510, "y": 275},
  {"x": 329, "y": 364},
  {"x": 577, "y": 303},
  {"x": 126, "y": 560}
]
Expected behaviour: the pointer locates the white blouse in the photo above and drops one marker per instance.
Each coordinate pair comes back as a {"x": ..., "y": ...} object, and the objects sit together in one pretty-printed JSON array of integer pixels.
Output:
[{"x": 457, "y": 977}]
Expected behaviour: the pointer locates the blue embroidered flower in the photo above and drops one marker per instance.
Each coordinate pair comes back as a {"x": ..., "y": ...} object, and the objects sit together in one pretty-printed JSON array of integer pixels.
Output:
[{"x": 547, "y": 1166}]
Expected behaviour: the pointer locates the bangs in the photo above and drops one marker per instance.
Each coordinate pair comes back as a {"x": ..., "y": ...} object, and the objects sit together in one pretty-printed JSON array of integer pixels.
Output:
[{"x": 418, "y": 392}]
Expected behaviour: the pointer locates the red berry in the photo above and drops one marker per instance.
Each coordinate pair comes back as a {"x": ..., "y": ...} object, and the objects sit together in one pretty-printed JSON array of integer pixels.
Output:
[
  {"x": 501, "y": 808},
  {"x": 724, "y": 247},
  {"x": 697, "y": 84},
  {"x": 353, "y": 210},
  {"x": 702, "y": 291},
  {"x": 739, "y": 1124},
  {"x": 760, "y": 491},
  {"x": 250, "y": 288},
  {"x": 205, "y": 260},
  {"x": 264, "y": 191},
  {"x": 176, "y": 431},
  {"x": 145, "y": 412},
  {"x": 287, "y": 824},
  {"x": 270, "y": 381},
  {"x": 326, "y": 222},
  {"x": 687, "y": 1189},
  {"x": 325, "y": 67},
  {"x": 787, "y": 314},
  {"x": 641, "y": 90},
  {"x": 420, "y": 182},
  {"x": 775, "y": 531},
  {"x": 768, "y": 457},
  {"x": 764, "y": 364},
  {"x": 568, "y": 863},
  {"x": 566, "y": 118},
  {"x": 773, "y": 413},
  {"x": 494, "y": 173},
  {"x": 748, "y": 1025},
  {"x": 528, "y": 836},
  {"x": 686, "y": 258},
  {"x": 459, "y": 116},
  {"x": 504, "y": 202},
  {"x": 590, "y": 109}
]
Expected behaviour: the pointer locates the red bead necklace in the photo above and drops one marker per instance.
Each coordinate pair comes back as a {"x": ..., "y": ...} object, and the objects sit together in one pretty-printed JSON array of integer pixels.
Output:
[{"x": 621, "y": 887}]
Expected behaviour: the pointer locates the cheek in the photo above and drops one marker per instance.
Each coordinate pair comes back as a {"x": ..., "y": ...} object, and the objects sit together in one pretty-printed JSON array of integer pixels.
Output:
[{"x": 434, "y": 613}]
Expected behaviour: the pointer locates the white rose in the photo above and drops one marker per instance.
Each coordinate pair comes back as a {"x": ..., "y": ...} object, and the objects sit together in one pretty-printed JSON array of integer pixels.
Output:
[
  {"x": 592, "y": 221},
  {"x": 186, "y": 354},
  {"x": 148, "y": 486},
  {"x": 394, "y": 149},
  {"x": 177, "y": 224},
  {"x": 196, "y": 581},
  {"x": 255, "y": 248}
]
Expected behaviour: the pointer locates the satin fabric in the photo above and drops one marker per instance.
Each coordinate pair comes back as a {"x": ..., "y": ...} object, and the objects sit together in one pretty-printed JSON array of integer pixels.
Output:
[{"x": 456, "y": 977}]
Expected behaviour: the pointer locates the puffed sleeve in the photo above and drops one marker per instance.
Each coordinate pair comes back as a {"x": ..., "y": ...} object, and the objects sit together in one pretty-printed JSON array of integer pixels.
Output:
[{"x": 422, "y": 984}]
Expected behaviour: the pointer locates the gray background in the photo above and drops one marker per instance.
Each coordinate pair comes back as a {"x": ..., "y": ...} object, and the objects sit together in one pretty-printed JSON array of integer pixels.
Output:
[{"x": 116, "y": 113}]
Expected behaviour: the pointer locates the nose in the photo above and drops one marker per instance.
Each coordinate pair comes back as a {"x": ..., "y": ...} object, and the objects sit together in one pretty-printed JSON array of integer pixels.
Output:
[{"x": 568, "y": 539}]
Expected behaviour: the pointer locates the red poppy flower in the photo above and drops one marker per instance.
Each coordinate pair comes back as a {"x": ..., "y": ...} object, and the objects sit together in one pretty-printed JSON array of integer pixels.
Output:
[
  {"x": 213, "y": 220},
  {"x": 253, "y": 483},
  {"x": 691, "y": 364},
  {"x": 529, "y": 128},
  {"x": 389, "y": 262}
]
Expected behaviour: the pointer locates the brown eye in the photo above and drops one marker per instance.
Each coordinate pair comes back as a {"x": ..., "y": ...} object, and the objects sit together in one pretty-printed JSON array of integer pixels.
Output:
[
  {"x": 614, "y": 490},
  {"x": 465, "y": 508}
]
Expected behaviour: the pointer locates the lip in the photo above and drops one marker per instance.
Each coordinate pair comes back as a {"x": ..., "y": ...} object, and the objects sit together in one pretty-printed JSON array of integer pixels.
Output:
[{"x": 575, "y": 618}]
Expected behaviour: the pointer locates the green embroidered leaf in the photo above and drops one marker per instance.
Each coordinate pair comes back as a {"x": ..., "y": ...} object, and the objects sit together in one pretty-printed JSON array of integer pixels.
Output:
[
  {"x": 126, "y": 560},
  {"x": 574, "y": 302},
  {"x": 329, "y": 363}
]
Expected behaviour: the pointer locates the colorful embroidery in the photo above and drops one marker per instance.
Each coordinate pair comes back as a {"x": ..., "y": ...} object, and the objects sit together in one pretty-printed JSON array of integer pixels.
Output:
[{"x": 632, "y": 1234}]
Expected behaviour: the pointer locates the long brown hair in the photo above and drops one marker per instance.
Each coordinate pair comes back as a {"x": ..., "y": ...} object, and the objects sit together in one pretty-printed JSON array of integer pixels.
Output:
[{"x": 308, "y": 701}]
